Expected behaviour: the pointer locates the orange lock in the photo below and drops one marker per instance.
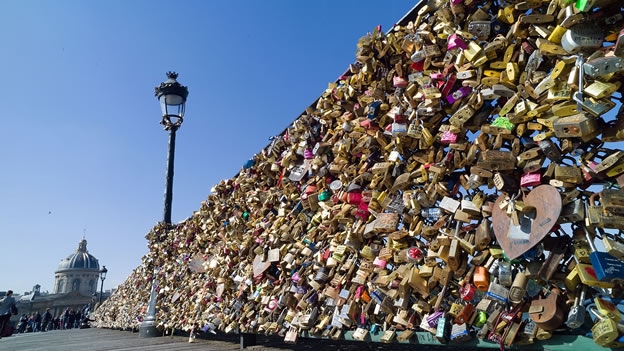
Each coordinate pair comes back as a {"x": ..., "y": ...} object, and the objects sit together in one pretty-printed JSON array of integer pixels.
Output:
[{"x": 481, "y": 277}]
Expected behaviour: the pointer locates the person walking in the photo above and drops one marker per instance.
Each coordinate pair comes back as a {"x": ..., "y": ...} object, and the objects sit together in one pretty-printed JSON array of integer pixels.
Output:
[
  {"x": 46, "y": 320},
  {"x": 77, "y": 318},
  {"x": 64, "y": 318},
  {"x": 37, "y": 320},
  {"x": 7, "y": 308}
]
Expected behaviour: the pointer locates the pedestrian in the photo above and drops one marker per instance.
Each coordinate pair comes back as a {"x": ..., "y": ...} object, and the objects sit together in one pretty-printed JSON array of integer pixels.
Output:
[
  {"x": 64, "y": 319},
  {"x": 7, "y": 308},
  {"x": 37, "y": 320},
  {"x": 77, "y": 318},
  {"x": 71, "y": 318},
  {"x": 47, "y": 320}
]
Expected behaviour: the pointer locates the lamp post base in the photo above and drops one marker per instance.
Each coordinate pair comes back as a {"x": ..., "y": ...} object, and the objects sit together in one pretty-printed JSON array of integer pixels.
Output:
[{"x": 148, "y": 330}]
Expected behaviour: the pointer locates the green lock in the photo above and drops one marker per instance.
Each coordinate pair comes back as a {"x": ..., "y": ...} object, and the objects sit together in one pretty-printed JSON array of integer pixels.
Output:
[
  {"x": 503, "y": 122},
  {"x": 324, "y": 196},
  {"x": 584, "y": 5},
  {"x": 480, "y": 319}
]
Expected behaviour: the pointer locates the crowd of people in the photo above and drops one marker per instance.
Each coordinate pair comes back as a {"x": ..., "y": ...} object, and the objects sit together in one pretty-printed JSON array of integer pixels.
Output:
[{"x": 68, "y": 319}]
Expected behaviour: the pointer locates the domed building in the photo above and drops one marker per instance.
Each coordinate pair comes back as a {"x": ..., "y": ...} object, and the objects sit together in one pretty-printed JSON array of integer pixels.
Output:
[
  {"x": 79, "y": 272},
  {"x": 75, "y": 286}
]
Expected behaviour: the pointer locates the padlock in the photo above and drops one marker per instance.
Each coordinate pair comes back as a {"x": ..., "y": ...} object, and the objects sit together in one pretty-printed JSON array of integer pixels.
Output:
[
  {"x": 388, "y": 336},
  {"x": 518, "y": 288},
  {"x": 448, "y": 137},
  {"x": 602, "y": 66},
  {"x": 612, "y": 201},
  {"x": 612, "y": 244},
  {"x": 505, "y": 183},
  {"x": 496, "y": 160},
  {"x": 600, "y": 90},
  {"x": 605, "y": 330},
  {"x": 459, "y": 333},
  {"x": 549, "y": 313},
  {"x": 607, "y": 268},
  {"x": 569, "y": 173},
  {"x": 596, "y": 215},
  {"x": 530, "y": 179},
  {"x": 497, "y": 291},
  {"x": 614, "y": 130},
  {"x": 443, "y": 330},
  {"x": 582, "y": 37},
  {"x": 579, "y": 126},
  {"x": 608, "y": 309},
  {"x": 576, "y": 316},
  {"x": 360, "y": 334},
  {"x": 481, "y": 277},
  {"x": 573, "y": 212},
  {"x": 483, "y": 235},
  {"x": 462, "y": 115},
  {"x": 551, "y": 150}
]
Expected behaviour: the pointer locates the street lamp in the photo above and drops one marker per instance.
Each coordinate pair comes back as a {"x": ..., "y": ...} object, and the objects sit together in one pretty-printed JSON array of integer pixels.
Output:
[
  {"x": 172, "y": 97},
  {"x": 103, "y": 272}
]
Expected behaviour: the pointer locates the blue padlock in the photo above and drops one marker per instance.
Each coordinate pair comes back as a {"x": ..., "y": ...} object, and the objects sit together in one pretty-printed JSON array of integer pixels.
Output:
[
  {"x": 373, "y": 108},
  {"x": 606, "y": 266}
]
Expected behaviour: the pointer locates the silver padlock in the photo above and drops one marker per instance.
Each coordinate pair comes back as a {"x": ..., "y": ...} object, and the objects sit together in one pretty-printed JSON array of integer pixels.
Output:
[
  {"x": 576, "y": 317},
  {"x": 573, "y": 212},
  {"x": 603, "y": 65},
  {"x": 480, "y": 28},
  {"x": 581, "y": 37}
]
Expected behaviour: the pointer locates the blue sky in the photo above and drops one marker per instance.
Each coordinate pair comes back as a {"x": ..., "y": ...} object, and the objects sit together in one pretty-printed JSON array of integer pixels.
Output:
[{"x": 82, "y": 147}]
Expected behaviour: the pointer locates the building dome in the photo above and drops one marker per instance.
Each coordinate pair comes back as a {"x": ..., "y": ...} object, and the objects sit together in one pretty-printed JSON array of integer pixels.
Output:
[
  {"x": 79, "y": 272},
  {"x": 81, "y": 259}
]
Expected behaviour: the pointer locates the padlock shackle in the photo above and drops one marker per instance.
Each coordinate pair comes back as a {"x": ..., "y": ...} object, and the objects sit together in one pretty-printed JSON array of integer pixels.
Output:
[{"x": 590, "y": 240}]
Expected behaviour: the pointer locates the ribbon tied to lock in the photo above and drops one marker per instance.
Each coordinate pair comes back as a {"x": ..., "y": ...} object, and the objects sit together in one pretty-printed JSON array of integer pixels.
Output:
[{"x": 516, "y": 239}]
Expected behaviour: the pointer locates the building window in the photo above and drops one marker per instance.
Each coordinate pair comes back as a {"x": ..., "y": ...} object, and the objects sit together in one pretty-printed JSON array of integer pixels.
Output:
[
  {"x": 76, "y": 285},
  {"x": 59, "y": 287}
]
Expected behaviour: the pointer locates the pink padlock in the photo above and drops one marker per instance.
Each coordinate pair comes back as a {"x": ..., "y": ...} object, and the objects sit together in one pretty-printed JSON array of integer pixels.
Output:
[
  {"x": 455, "y": 42},
  {"x": 399, "y": 82},
  {"x": 530, "y": 179},
  {"x": 296, "y": 277},
  {"x": 378, "y": 262},
  {"x": 436, "y": 76},
  {"x": 448, "y": 138},
  {"x": 455, "y": 2}
]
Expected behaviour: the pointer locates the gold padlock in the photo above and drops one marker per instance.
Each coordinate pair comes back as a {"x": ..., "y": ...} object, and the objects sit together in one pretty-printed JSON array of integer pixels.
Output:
[
  {"x": 605, "y": 330},
  {"x": 569, "y": 173},
  {"x": 579, "y": 125},
  {"x": 599, "y": 90}
]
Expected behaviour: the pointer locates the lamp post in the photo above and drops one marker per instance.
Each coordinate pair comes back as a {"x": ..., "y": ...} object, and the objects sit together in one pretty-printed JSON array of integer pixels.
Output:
[
  {"x": 172, "y": 97},
  {"x": 103, "y": 272}
]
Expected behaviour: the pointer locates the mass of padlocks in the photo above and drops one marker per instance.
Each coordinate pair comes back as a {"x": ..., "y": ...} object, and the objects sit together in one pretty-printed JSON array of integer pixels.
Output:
[{"x": 462, "y": 178}]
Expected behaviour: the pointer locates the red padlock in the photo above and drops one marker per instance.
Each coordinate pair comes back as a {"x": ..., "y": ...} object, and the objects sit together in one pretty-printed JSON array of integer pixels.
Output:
[
  {"x": 467, "y": 292},
  {"x": 418, "y": 66},
  {"x": 362, "y": 211},
  {"x": 354, "y": 198}
]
